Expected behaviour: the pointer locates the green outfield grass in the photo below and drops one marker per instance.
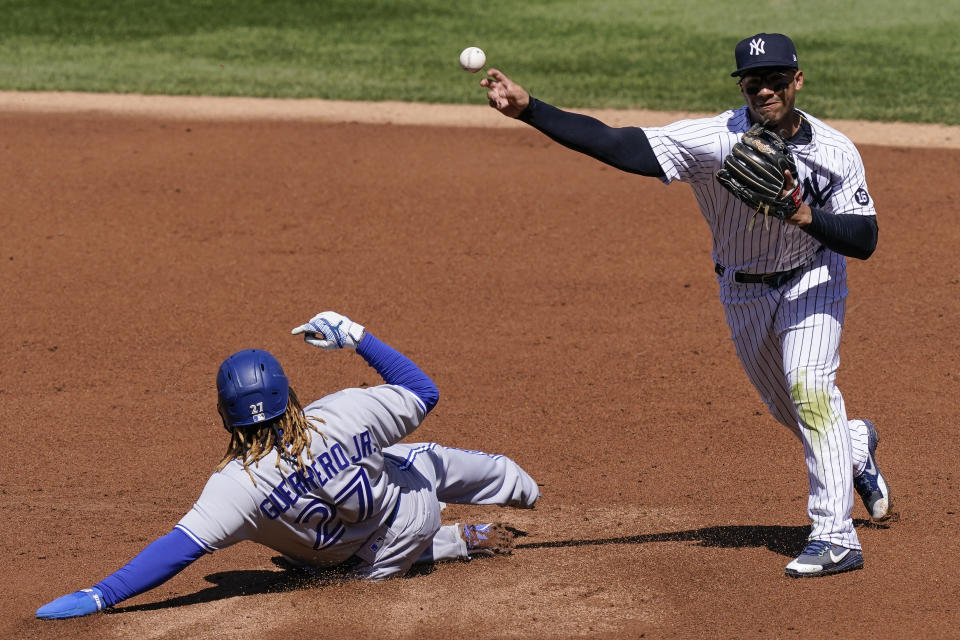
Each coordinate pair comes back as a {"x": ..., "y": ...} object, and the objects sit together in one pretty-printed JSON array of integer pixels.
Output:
[{"x": 877, "y": 60}]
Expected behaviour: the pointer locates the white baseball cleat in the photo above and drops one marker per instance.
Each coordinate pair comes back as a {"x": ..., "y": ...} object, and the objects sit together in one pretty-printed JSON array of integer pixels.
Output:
[{"x": 822, "y": 558}]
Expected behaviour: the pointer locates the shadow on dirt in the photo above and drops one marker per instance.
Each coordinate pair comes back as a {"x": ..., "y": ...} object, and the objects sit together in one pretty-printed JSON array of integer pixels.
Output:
[
  {"x": 786, "y": 541},
  {"x": 229, "y": 584}
]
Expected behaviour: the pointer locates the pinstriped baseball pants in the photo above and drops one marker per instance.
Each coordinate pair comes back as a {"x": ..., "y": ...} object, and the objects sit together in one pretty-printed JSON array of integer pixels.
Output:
[{"x": 788, "y": 340}]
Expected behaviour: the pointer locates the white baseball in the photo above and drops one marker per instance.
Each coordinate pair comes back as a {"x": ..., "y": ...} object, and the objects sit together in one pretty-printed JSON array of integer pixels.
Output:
[{"x": 472, "y": 59}]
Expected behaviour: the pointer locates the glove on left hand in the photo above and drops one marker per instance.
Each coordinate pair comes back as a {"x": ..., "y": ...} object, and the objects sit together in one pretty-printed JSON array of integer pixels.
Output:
[
  {"x": 753, "y": 172},
  {"x": 330, "y": 330},
  {"x": 72, "y": 605}
]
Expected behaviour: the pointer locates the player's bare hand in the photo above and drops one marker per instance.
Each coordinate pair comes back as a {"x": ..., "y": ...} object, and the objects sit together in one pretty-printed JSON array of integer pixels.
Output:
[
  {"x": 801, "y": 218},
  {"x": 504, "y": 95},
  {"x": 330, "y": 330}
]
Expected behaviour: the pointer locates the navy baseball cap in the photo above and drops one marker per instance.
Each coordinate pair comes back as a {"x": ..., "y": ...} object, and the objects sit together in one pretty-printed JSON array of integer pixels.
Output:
[{"x": 765, "y": 50}]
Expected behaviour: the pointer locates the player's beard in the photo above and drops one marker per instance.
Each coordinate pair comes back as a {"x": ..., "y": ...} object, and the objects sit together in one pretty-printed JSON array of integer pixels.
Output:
[
  {"x": 779, "y": 118},
  {"x": 770, "y": 114}
]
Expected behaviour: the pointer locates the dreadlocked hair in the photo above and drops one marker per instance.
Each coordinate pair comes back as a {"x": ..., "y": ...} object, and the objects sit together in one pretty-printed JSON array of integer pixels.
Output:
[{"x": 289, "y": 434}]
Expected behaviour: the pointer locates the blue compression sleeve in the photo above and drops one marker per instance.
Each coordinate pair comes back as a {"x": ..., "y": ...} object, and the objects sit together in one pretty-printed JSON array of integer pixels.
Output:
[
  {"x": 396, "y": 368},
  {"x": 625, "y": 148},
  {"x": 162, "y": 559},
  {"x": 847, "y": 234}
]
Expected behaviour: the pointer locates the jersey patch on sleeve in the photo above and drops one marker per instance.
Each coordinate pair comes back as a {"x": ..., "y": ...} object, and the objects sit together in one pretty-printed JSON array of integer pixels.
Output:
[{"x": 862, "y": 197}]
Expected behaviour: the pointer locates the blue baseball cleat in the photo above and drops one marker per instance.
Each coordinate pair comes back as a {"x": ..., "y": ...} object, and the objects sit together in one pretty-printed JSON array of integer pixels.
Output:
[
  {"x": 72, "y": 605},
  {"x": 822, "y": 558},
  {"x": 871, "y": 484}
]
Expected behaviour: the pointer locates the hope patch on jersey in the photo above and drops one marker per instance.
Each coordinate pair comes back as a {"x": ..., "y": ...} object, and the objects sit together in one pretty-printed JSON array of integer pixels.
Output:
[{"x": 862, "y": 197}]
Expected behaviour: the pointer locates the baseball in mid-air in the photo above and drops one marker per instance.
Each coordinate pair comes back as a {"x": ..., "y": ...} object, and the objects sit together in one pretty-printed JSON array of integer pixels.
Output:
[{"x": 472, "y": 59}]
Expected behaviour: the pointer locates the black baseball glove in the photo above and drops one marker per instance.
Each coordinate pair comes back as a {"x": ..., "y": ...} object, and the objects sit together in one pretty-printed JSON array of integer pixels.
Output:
[{"x": 753, "y": 172}]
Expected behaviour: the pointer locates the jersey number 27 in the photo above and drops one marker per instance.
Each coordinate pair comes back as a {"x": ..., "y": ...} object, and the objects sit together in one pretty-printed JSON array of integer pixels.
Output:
[{"x": 354, "y": 500}]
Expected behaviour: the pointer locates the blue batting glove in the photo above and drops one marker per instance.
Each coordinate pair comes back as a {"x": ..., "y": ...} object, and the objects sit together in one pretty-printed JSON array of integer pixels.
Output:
[{"x": 79, "y": 603}]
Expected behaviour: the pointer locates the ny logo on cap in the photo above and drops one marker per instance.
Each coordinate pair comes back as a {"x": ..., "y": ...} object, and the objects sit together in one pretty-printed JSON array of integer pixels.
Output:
[{"x": 756, "y": 46}]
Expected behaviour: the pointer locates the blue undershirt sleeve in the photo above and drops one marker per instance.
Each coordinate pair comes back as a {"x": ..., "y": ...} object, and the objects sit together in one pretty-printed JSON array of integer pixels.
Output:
[
  {"x": 847, "y": 234},
  {"x": 396, "y": 368},
  {"x": 625, "y": 148},
  {"x": 161, "y": 560}
]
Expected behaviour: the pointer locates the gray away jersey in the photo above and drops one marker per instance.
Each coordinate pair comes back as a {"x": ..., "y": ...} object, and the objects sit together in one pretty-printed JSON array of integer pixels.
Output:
[
  {"x": 323, "y": 516},
  {"x": 829, "y": 167}
]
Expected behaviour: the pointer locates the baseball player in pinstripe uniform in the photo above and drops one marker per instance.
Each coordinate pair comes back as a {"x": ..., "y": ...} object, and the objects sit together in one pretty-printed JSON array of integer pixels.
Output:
[
  {"x": 327, "y": 486},
  {"x": 782, "y": 281}
]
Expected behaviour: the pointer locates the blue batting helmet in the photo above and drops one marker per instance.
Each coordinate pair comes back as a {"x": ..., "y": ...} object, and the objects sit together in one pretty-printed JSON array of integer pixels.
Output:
[{"x": 252, "y": 388}]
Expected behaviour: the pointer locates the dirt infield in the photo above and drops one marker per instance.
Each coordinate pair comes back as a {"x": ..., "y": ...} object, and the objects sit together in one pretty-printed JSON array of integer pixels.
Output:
[{"x": 568, "y": 314}]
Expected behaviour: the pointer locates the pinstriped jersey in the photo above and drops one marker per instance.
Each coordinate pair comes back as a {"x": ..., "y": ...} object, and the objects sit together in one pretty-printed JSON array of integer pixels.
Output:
[
  {"x": 320, "y": 516},
  {"x": 830, "y": 171}
]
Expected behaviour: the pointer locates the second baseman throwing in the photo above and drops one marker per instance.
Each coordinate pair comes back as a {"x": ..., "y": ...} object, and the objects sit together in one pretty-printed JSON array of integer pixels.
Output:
[{"x": 783, "y": 284}]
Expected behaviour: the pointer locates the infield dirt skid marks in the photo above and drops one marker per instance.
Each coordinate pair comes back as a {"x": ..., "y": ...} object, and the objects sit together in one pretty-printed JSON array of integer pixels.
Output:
[{"x": 562, "y": 554}]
